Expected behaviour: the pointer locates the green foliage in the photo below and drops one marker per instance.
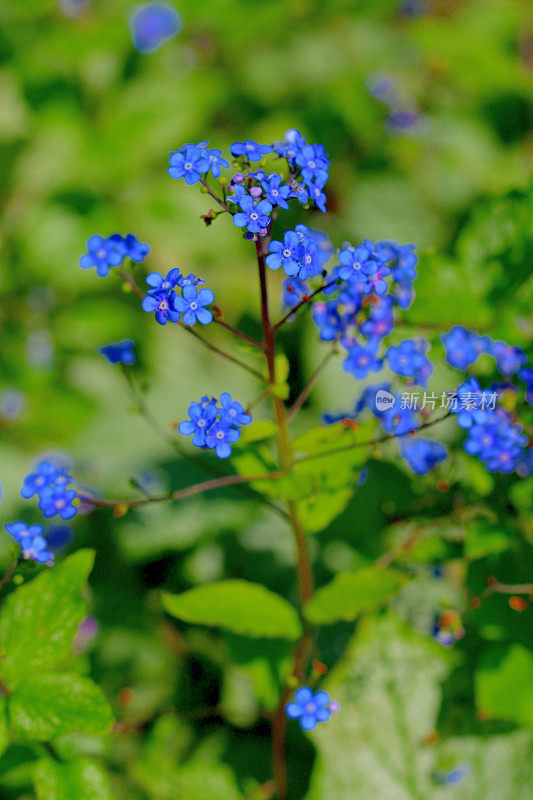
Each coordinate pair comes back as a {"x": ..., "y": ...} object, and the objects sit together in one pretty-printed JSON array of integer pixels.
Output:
[
  {"x": 503, "y": 684},
  {"x": 388, "y": 686},
  {"x": 46, "y": 706},
  {"x": 81, "y": 779},
  {"x": 38, "y": 622},
  {"x": 352, "y": 593},
  {"x": 238, "y": 606}
]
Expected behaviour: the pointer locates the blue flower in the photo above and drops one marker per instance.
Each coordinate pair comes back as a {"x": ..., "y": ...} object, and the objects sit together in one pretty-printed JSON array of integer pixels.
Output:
[
  {"x": 497, "y": 441},
  {"x": 131, "y": 246},
  {"x": 463, "y": 347},
  {"x": 409, "y": 360},
  {"x": 152, "y": 24},
  {"x": 216, "y": 162},
  {"x": 294, "y": 290},
  {"x": 220, "y": 437},
  {"x": 361, "y": 359},
  {"x": 287, "y": 254},
  {"x": 276, "y": 191},
  {"x": 470, "y": 403},
  {"x": 58, "y": 500},
  {"x": 31, "y": 541},
  {"x": 215, "y": 427},
  {"x": 202, "y": 416},
  {"x": 314, "y": 164},
  {"x": 189, "y": 162},
  {"x": 189, "y": 280},
  {"x": 232, "y": 412},
  {"x": 120, "y": 352},
  {"x": 526, "y": 374},
  {"x": 328, "y": 320},
  {"x": 252, "y": 150},
  {"x": 254, "y": 216},
  {"x": 160, "y": 283},
  {"x": 192, "y": 305},
  {"x": 380, "y": 321},
  {"x": 509, "y": 358},
  {"x": 164, "y": 305},
  {"x": 423, "y": 455},
  {"x": 36, "y": 482},
  {"x": 102, "y": 254},
  {"x": 310, "y": 708}
]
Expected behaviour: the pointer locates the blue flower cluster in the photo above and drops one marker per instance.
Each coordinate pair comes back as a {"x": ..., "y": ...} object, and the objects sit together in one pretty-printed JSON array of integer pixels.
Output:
[
  {"x": 310, "y": 708},
  {"x": 309, "y": 165},
  {"x": 463, "y": 348},
  {"x": 299, "y": 254},
  {"x": 492, "y": 434},
  {"x": 163, "y": 299},
  {"x": 32, "y": 542},
  {"x": 409, "y": 360},
  {"x": 192, "y": 161},
  {"x": 119, "y": 352},
  {"x": 104, "y": 253},
  {"x": 51, "y": 485},
  {"x": 422, "y": 455},
  {"x": 215, "y": 427}
]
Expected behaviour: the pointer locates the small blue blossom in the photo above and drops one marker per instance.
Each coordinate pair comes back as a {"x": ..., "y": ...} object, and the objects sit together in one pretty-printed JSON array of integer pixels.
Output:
[
  {"x": 455, "y": 776},
  {"x": 409, "y": 360},
  {"x": 46, "y": 475},
  {"x": 216, "y": 162},
  {"x": 254, "y": 216},
  {"x": 403, "y": 121},
  {"x": 160, "y": 283},
  {"x": 12, "y": 402},
  {"x": 131, "y": 247},
  {"x": 31, "y": 541},
  {"x": 189, "y": 280},
  {"x": 189, "y": 162},
  {"x": 231, "y": 411},
  {"x": 164, "y": 305},
  {"x": 287, "y": 254},
  {"x": 310, "y": 708},
  {"x": 509, "y": 358},
  {"x": 192, "y": 305},
  {"x": 102, "y": 254},
  {"x": 422, "y": 455},
  {"x": 380, "y": 321},
  {"x": 294, "y": 290},
  {"x": 314, "y": 165},
  {"x": 202, "y": 416},
  {"x": 119, "y": 352},
  {"x": 463, "y": 347},
  {"x": 361, "y": 359},
  {"x": 276, "y": 191},
  {"x": 526, "y": 374},
  {"x": 152, "y": 24},
  {"x": 220, "y": 437},
  {"x": 252, "y": 150},
  {"x": 58, "y": 500},
  {"x": 328, "y": 320}
]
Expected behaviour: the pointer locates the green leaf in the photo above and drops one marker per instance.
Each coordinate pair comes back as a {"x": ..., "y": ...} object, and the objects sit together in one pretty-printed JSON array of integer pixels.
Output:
[
  {"x": 81, "y": 779},
  {"x": 482, "y": 540},
  {"x": 39, "y": 620},
  {"x": 504, "y": 684},
  {"x": 238, "y": 606},
  {"x": 258, "y": 430},
  {"x": 388, "y": 687},
  {"x": 4, "y": 730},
  {"x": 48, "y": 705},
  {"x": 351, "y": 593}
]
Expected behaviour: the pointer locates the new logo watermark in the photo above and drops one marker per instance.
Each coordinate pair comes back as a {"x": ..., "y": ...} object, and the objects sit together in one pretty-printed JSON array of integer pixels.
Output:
[{"x": 384, "y": 400}]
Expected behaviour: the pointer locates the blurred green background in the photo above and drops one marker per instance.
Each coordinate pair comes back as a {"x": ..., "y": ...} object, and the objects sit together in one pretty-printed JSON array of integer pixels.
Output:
[{"x": 86, "y": 123}]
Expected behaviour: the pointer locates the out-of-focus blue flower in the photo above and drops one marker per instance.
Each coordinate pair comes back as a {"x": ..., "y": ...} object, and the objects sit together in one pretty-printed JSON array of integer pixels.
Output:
[
  {"x": 294, "y": 290},
  {"x": 119, "y": 352},
  {"x": 463, "y": 347},
  {"x": 12, "y": 402},
  {"x": 45, "y": 476},
  {"x": 152, "y": 24},
  {"x": 328, "y": 320},
  {"x": 310, "y": 708},
  {"x": 58, "y": 500},
  {"x": 526, "y": 374},
  {"x": 452, "y": 778},
  {"x": 409, "y": 360},
  {"x": 252, "y": 150},
  {"x": 73, "y": 8},
  {"x": 422, "y": 455},
  {"x": 102, "y": 254},
  {"x": 31, "y": 541},
  {"x": 509, "y": 358},
  {"x": 361, "y": 359},
  {"x": 403, "y": 121},
  {"x": 130, "y": 246}
]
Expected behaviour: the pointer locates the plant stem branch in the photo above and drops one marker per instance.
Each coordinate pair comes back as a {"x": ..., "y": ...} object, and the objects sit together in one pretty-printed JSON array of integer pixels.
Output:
[
  {"x": 9, "y": 574},
  {"x": 372, "y": 442},
  {"x": 306, "y": 391},
  {"x": 307, "y": 299},
  {"x": 180, "y": 494},
  {"x": 238, "y": 333}
]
